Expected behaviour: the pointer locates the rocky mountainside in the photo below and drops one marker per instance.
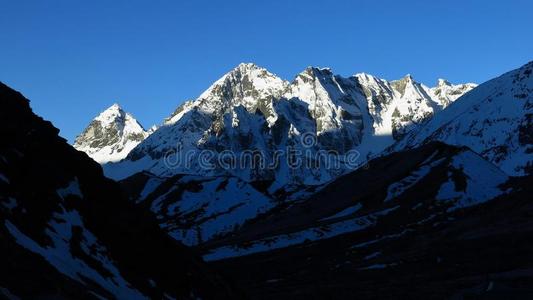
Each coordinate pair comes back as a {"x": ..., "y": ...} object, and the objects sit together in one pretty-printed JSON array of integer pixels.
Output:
[
  {"x": 446, "y": 93},
  {"x": 111, "y": 135},
  {"x": 252, "y": 110},
  {"x": 443, "y": 212},
  {"x": 410, "y": 247},
  {"x": 412, "y": 187},
  {"x": 215, "y": 211},
  {"x": 495, "y": 120},
  {"x": 195, "y": 209},
  {"x": 67, "y": 232},
  {"x": 424, "y": 220},
  {"x": 400, "y": 105}
]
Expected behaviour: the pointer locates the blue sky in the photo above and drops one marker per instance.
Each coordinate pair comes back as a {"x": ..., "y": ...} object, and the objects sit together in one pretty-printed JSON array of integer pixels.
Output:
[{"x": 73, "y": 59}]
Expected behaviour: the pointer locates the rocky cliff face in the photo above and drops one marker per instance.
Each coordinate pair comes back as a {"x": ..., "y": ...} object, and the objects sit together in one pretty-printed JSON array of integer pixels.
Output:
[
  {"x": 111, "y": 135},
  {"x": 251, "y": 109},
  {"x": 446, "y": 93},
  {"x": 494, "y": 120},
  {"x": 398, "y": 106},
  {"x": 412, "y": 186}
]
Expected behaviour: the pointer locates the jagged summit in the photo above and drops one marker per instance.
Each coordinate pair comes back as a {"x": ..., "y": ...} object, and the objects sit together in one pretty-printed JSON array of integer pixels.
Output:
[
  {"x": 242, "y": 70},
  {"x": 442, "y": 82},
  {"x": 446, "y": 92},
  {"x": 407, "y": 77},
  {"x": 248, "y": 66},
  {"x": 246, "y": 85},
  {"x": 112, "y": 113},
  {"x": 114, "y": 107},
  {"x": 315, "y": 71},
  {"x": 250, "y": 108},
  {"x": 111, "y": 135},
  {"x": 495, "y": 120}
]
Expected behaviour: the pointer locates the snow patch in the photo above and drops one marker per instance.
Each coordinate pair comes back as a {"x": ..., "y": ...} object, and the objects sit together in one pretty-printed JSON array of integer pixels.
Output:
[
  {"x": 482, "y": 181},
  {"x": 291, "y": 239},
  {"x": 60, "y": 256}
]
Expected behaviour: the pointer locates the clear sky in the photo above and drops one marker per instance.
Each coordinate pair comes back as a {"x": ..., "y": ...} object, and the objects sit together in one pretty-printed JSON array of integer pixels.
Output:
[{"x": 73, "y": 59}]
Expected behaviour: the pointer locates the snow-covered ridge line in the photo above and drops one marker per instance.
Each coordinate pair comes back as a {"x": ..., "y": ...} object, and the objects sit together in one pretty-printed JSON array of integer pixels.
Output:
[
  {"x": 250, "y": 108},
  {"x": 495, "y": 120}
]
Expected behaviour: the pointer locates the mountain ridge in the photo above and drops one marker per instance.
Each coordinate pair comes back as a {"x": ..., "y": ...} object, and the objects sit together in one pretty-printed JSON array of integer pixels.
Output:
[
  {"x": 276, "y": 113},
  {"x": 495, "y": 120}
]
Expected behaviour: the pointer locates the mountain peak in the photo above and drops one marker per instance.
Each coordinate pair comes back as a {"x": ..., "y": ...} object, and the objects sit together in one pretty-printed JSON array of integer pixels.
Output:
[
  {"x": 408, "y": 78},
  {"x": 443, "y": 82},
  {"x": 247, "y": 66},
  {"x": 493, "y": 119},
  {"x": 111, "y": 135},
  {"x": 243, "y": 85},
  {"x": 243, "y": 70},
  {"x": 364, "y": 75},
  {"x": 317, "y": 71},
  {"x": 311, "y": 73},
  {"x": 115, "y": 106},
  {"x": 246, "y": 69},
  {"x": 111, "y": 114}
]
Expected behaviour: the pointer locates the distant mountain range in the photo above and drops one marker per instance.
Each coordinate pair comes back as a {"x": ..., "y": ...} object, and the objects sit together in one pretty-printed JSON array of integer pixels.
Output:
[
  {"x": 250, "y": 108},
  {"x": 426, "y": 193},
  {"x": 495, "y": 120}
]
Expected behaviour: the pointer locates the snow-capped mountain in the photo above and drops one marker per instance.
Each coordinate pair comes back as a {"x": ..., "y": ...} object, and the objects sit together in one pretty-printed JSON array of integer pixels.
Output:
[
  {"x": 495, "y": 120},
  {"x": 398, "y": 106},
  {"x": 251, "y": 109},
  {"x": 446, "y": 93},
  {"x": 111, "y": 135}
]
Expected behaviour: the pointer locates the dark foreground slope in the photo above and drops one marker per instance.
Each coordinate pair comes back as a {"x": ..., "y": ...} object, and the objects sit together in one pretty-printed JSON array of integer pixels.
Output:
[
  {"x": 67, "y": 232},
  {"x": 435, "y": 222}
]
